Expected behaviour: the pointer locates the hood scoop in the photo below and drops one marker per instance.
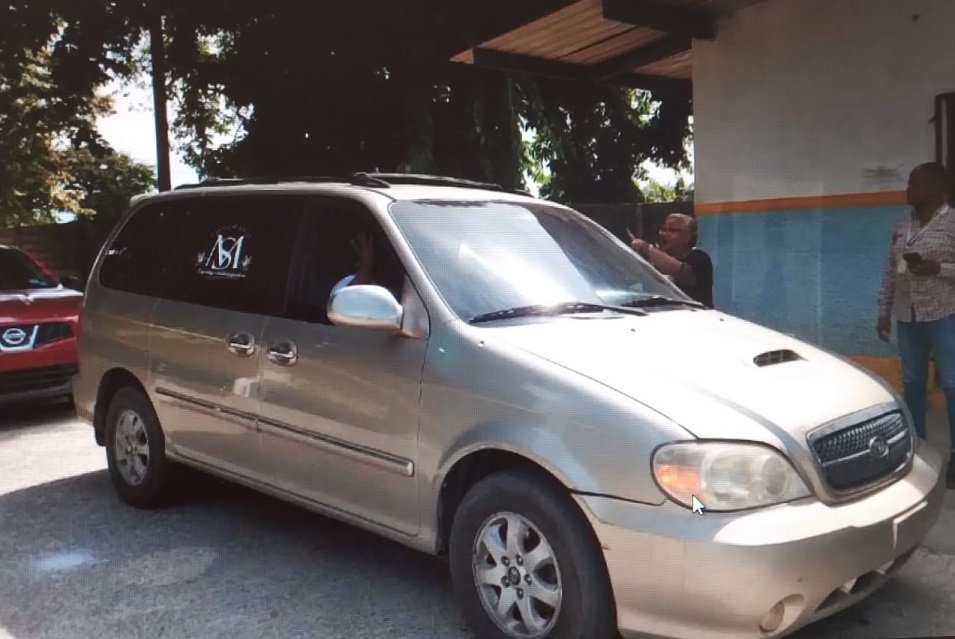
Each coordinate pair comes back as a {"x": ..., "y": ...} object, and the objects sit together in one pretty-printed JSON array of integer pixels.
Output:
[{"x": 770, "y": 358}]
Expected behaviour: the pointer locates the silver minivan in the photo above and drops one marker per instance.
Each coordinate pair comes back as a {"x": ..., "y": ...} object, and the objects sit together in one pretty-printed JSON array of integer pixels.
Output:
[{"x": 507, "y": 385}]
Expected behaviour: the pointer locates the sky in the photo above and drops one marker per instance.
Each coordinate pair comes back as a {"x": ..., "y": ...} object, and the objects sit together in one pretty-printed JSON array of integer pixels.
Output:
[{"x": 130, "y": 129}]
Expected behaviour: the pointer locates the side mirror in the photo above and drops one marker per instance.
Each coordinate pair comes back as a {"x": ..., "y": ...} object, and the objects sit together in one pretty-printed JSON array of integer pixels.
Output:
[
  {"x": 74, "y": 282},
  {"x": 365, "y": 306}
]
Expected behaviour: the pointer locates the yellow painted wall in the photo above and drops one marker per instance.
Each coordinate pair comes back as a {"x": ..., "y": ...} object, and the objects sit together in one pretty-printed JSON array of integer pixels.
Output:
[{"x": 890, "y": 369}]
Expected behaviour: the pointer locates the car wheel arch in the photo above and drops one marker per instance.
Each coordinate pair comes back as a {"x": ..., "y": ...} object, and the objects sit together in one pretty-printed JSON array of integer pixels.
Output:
[
  {"x": 475, "y": 465},
  {"x": 111, "y": 383}
]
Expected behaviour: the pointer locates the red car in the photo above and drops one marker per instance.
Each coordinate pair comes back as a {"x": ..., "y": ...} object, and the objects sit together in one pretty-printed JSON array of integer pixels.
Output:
[{"x": 39, "y": 322}]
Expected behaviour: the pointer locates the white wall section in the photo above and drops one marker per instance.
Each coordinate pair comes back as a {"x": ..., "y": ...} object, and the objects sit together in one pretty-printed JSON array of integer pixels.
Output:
[{"x": 819, "y": 97}]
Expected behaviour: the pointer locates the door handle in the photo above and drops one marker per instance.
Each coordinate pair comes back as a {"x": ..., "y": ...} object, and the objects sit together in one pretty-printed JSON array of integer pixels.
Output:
[
  {"x": 241, "y": 344},
  {"x": 283, "y": 353}
]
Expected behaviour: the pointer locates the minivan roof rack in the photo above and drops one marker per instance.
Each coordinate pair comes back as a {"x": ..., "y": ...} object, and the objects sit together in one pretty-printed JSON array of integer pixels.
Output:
[
  {"x": 374, "y": 180},
  {"x": 256, "y": 180},
  {"x": 387, "y": 179},
  {"x": 426, "y": 180}
]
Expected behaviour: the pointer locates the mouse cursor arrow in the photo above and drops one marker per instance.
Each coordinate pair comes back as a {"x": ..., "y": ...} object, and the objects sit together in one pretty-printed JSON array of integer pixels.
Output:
[{"x": 697, "y": 506}]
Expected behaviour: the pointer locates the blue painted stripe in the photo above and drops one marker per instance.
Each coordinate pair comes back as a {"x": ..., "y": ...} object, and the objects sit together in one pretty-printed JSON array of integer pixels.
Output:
[{"x": 813, "y": 273}]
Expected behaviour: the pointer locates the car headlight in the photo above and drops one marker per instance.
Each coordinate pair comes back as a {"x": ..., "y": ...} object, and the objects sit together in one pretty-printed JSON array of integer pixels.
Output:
[{"x": 726, "y": 476}]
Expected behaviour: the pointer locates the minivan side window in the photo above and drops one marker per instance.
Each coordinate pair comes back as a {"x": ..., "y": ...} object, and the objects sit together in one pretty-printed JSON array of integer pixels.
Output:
[
  {"x": 325, "y": 256},
  {"x": 235, "y": 253},
  {"x": 135, "y": 260}
]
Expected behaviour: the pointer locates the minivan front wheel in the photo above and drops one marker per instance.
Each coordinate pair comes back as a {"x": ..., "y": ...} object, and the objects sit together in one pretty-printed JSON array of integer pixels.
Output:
[
  {"x": 525, "y": 564},
  {"x": 135, "y": 450}
]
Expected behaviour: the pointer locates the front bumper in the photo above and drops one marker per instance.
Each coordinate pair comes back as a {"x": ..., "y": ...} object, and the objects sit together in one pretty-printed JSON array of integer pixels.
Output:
[
  {"x": 676, "y": 574},
  {"x": 45, "y": 373},
  {"x": 36, "y": 384}
]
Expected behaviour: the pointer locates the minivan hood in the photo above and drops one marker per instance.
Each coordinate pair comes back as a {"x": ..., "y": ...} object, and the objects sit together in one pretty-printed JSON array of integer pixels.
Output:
[
  {"x": 698, "y": 369},
  {"x": 39, "y": 305}
]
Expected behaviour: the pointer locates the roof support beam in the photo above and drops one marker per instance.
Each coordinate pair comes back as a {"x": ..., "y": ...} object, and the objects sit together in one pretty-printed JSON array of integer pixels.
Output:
[
  {"x": 685, "y": 21},
  {"x": 488, "y": 21},
  {"x": 661, "y": 49},
  {"x": 502, "y": 61}
]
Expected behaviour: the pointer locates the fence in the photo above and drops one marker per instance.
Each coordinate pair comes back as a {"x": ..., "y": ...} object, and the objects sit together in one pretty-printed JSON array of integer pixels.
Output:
[
  {"x": 68, "y": 249},
  {"x": 71, "y": 248}
]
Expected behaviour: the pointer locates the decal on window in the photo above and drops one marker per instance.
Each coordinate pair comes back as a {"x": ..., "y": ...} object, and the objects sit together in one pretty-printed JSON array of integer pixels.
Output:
[{"x": 228, "y": 255}]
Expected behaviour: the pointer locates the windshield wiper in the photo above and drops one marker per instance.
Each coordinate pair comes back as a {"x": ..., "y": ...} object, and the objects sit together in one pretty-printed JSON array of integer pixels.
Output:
[
  {"x": 661, "y": 300},
  {"x": 544, "y": 310}
]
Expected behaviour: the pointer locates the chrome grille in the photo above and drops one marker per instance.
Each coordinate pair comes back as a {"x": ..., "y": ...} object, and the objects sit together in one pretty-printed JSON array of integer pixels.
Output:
[
  {"x": 52, "y": 332},
  {"x": 29, "y": 336},
  {"x": 861, "y": 454}
]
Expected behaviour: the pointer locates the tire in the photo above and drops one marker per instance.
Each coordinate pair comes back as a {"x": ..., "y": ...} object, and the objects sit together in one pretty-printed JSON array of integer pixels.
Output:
[
  {"x": 143, "y": 480},
  {"x": 585, "y": 606}
]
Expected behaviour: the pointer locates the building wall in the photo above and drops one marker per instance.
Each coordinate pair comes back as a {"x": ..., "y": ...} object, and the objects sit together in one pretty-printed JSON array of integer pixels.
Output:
[
  {"x": 809, "y": 115},
  {"x": 818, "y": 97}
]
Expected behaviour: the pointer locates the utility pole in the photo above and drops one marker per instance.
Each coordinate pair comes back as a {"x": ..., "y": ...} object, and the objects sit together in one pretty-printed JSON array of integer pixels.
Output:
[{"x": 157, "y": 47}]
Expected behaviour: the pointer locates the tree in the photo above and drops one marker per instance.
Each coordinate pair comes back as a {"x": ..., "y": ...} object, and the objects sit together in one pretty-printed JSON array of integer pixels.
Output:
[
  {"x": 391, "y": 101},
  {"x": 595, "y": 139},
  {"x": 53, "y": 56},
  {"x": 31, "y": 169},
  {"x": 655, "y": 191},
  {"x": 105, "y": 181},
  {"x": 328, "y": 89},
  {"x": 46, "y": 167}
]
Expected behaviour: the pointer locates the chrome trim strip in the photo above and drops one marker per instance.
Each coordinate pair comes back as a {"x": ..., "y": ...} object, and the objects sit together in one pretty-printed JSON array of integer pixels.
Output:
[
  {"x": 209, "y": 407},
  {"x": 377, "y": 458}
]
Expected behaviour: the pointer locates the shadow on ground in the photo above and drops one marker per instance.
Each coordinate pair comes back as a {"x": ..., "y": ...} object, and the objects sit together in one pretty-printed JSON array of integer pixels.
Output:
[
  {"x": 17, "y": 416},
  {"x": 225, "y": 562}
]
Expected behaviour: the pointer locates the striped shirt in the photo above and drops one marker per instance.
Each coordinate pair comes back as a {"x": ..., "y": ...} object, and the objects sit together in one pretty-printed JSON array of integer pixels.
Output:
[{"x": 908, "y": 297}]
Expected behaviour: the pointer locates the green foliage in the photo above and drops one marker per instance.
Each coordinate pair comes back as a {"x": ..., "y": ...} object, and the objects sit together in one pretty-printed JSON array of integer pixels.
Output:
[
  {"x": 595, "y": 139},
  {"x": 105, "y": 181},
  {"x": 683, "y": 192},
  {"x": 323, "y": 88},
  {"x": 370, "y": 89},
  {"x": 31, "y": 168},
  {"x": 53, "y": 57},
  {"x": 656, "y": 192}
]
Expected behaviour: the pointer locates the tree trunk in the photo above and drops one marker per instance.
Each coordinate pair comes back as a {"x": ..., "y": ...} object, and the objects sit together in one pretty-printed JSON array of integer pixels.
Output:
[
  {"x": 158, "y": 55},
  {"x": 419, "y": 132}
]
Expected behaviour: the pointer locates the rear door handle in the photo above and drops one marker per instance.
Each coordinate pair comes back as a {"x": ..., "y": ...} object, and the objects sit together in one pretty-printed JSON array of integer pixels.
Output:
[
  {"x": 241, "y": 344},
  {"x": 284, "y": 353}
]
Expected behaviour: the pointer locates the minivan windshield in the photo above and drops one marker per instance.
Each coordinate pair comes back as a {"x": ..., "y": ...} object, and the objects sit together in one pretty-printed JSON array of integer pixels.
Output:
[
  {"x": 487, "y": 257},
  {"x": 19, "y": 272}
]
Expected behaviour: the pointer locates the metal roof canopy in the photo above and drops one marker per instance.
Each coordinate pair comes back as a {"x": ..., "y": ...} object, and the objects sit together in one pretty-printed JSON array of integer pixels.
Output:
[{"x": 643, "y": 44}]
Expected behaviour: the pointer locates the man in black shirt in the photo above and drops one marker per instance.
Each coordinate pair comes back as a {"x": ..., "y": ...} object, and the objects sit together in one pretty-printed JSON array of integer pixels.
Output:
[{"x": 690, "y": 268}]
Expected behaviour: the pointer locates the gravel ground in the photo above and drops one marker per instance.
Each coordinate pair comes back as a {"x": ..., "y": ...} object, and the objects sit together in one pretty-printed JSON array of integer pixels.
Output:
[{"x": 228, "y": 563}]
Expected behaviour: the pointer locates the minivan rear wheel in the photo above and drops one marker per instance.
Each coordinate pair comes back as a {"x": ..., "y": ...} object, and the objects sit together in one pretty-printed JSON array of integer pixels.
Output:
[
  {"x": 135, "y": 450},
  {"x": 525, "y": 563}
]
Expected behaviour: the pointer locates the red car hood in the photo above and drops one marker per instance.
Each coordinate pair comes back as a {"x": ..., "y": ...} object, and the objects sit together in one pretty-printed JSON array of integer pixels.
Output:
[{"x": 34, "y": 306}]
